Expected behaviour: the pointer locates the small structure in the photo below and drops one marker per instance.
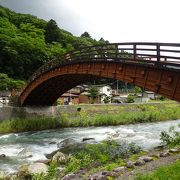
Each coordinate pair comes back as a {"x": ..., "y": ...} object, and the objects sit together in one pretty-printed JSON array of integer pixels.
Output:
[
  {"x": 4, "y": 97},
  {"x": 145, "y": 96},
  {"x": 69, "y": 98},
  {"x": 84, "y": 98},
  {"x": 104, "y": 92}
]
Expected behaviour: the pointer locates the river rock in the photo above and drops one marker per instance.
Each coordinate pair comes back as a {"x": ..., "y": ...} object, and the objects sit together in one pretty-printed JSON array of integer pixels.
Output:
[
  {"x": 69, "y": 176},
  {"x": 146, "y": 158},
  {"x": 66, "y": 142},
  {"x": 68, "y": 146},
  {"x": 88, "y": 139},
  {"x": 31, "y": 169},
  {"x": 160, "y": 147},
  {"x": 2, "y": 156},
  {"x": 119, "y": 169},
  {"x": 129, "y": 164},
  {"x": 53, "y": 142},
  {"x": 109, "y": 173},
  {"x": 98, "y": 176},
  {"x": 164, "y": 154},
  {"x": 25, "y": 153},
  {"x": 37, "y": 168},
  {"x": 46, "y": 161},
  {"x": 59, "y": 158},
  {"x": 174, "y": 150},
  {"x": 140, "y": 162}
]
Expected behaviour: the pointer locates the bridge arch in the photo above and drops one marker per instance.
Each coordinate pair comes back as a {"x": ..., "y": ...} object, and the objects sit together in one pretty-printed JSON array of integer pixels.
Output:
[{"x": 148, "y": 71}]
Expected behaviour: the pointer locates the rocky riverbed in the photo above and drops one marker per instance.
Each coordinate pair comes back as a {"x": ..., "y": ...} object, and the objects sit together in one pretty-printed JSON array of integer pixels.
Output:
[
  {"x": 143, "y": 162},
  {"x": 24, "y": 151}
]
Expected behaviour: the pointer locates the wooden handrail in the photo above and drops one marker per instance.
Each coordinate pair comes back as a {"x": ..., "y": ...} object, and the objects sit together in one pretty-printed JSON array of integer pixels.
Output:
[{"x": 117, "y": 52}]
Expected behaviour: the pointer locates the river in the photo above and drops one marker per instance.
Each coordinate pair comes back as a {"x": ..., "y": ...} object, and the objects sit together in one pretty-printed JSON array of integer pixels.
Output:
[{"x": 37, "y": 144}]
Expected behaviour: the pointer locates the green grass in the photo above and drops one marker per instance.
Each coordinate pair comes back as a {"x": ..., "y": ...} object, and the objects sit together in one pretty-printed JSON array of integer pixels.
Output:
[
  {"x": 96, "y": 116},
  {"x": 170, "y": 172},
  {"x": 29, "y": 124}
]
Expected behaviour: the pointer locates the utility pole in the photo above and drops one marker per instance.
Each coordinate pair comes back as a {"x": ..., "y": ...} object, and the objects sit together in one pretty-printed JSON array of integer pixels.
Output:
[{"x": 117, "y": 88}]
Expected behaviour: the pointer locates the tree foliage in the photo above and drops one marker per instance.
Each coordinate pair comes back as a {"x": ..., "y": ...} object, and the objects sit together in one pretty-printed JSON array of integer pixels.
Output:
[
  {"x": 26, "y": 43},
  {"x": 93, "y": 93},
  {"x": 7, "y": 83}
]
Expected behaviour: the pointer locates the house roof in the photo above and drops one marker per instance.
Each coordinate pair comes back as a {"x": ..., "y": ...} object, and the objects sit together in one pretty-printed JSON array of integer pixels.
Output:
[{"x": 69, "y": 95}]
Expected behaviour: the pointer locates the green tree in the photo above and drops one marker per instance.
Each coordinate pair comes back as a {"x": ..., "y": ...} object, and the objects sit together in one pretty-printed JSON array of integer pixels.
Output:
[
  {"x": 7, "y": 83},
  {"x": 52, "y": 33},
  {"x": 93, "y": 93},
  {"x": 26, "y": 43},
  {"x": 130, "y": 98},
  {"x": 137, "y": 90},
  {"x": 86, "y": 35}
]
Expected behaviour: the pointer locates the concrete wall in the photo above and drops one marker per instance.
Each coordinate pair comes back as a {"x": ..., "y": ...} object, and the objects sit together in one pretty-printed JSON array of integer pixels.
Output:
[{"x": 9, "y": 112}]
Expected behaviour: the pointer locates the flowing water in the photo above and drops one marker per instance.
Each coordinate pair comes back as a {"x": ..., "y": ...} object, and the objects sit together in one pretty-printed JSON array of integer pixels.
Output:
[{"x": 21, "y": 148}]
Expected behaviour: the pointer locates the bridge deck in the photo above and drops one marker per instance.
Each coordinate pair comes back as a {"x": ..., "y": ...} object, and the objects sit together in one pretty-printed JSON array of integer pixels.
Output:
[{"x": 150, "y": 57}]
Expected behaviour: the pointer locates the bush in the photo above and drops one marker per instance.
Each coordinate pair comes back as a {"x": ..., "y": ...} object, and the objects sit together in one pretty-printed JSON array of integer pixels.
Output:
[
  {"x": 171, "y": 138},
  {"x": 102, "y": 153},
  {"x": 130, "y": 98}
]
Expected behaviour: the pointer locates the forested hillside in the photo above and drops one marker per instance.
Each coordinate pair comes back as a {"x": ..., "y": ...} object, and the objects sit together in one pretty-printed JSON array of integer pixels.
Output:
[{"x": 27, "y": 42}]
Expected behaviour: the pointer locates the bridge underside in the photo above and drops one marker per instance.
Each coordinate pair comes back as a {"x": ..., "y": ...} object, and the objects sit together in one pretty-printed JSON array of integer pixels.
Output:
[
  {"x": 49, "y": 91},
  {"x": 48, "y": 87}
]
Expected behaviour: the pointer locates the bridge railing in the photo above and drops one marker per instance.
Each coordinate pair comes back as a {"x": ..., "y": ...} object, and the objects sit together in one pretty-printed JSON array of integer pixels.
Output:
[{"x": 162, "y": 55}]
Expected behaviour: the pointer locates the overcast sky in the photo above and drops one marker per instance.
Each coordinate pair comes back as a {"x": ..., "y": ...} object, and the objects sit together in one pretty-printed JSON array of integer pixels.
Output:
[{"x": 114, "y": 20}]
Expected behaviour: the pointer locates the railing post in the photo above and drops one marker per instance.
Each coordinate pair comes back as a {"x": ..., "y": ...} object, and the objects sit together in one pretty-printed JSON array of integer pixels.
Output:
[
  {"x": 89, "y": 53},
  {"x": 158, "y": 54},
  {"x": 117, "y": 52},
  {"x": 134, "y": 51}
]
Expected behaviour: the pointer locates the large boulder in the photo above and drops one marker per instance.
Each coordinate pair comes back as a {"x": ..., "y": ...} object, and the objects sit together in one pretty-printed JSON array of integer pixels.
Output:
[
  {"x": 27, "y": 170},
  {"x": 60, "y": 158},
  {"x": 37, "y": 168},
  {"x": 67, "y": 146},
  {"x": 2, "y": 175}
]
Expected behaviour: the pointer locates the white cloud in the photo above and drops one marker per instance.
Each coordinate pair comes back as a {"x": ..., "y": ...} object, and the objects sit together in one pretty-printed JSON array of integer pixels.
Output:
[{"x": 115, "y": 20}]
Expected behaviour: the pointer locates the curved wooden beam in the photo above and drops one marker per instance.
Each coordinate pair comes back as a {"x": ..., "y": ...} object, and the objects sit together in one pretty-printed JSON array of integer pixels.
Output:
[{"x": 47, "y": 87}]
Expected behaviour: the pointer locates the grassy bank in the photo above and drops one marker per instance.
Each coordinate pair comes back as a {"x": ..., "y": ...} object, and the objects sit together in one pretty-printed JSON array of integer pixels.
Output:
[
  {"x": 95, "y": 116},
  {"x": 166, "y": 172}
]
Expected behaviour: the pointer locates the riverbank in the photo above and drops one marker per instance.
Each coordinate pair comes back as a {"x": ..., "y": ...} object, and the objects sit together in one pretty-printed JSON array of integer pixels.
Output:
[
  {"x": 18, "y": 149},
  {"x": 105, "y": 160},
  {"x": 93, "y": 115}
]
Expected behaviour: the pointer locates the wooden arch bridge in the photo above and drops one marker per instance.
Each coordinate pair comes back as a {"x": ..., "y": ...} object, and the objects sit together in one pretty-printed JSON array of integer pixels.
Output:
[{"x": 152, "y": 66}]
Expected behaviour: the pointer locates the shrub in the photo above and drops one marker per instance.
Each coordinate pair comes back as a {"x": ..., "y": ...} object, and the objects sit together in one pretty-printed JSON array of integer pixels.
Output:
[
  {"x": 130, "y": 98},
  {"x": 102, "y": 153},
  {"x": 171, "y": 138}
]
